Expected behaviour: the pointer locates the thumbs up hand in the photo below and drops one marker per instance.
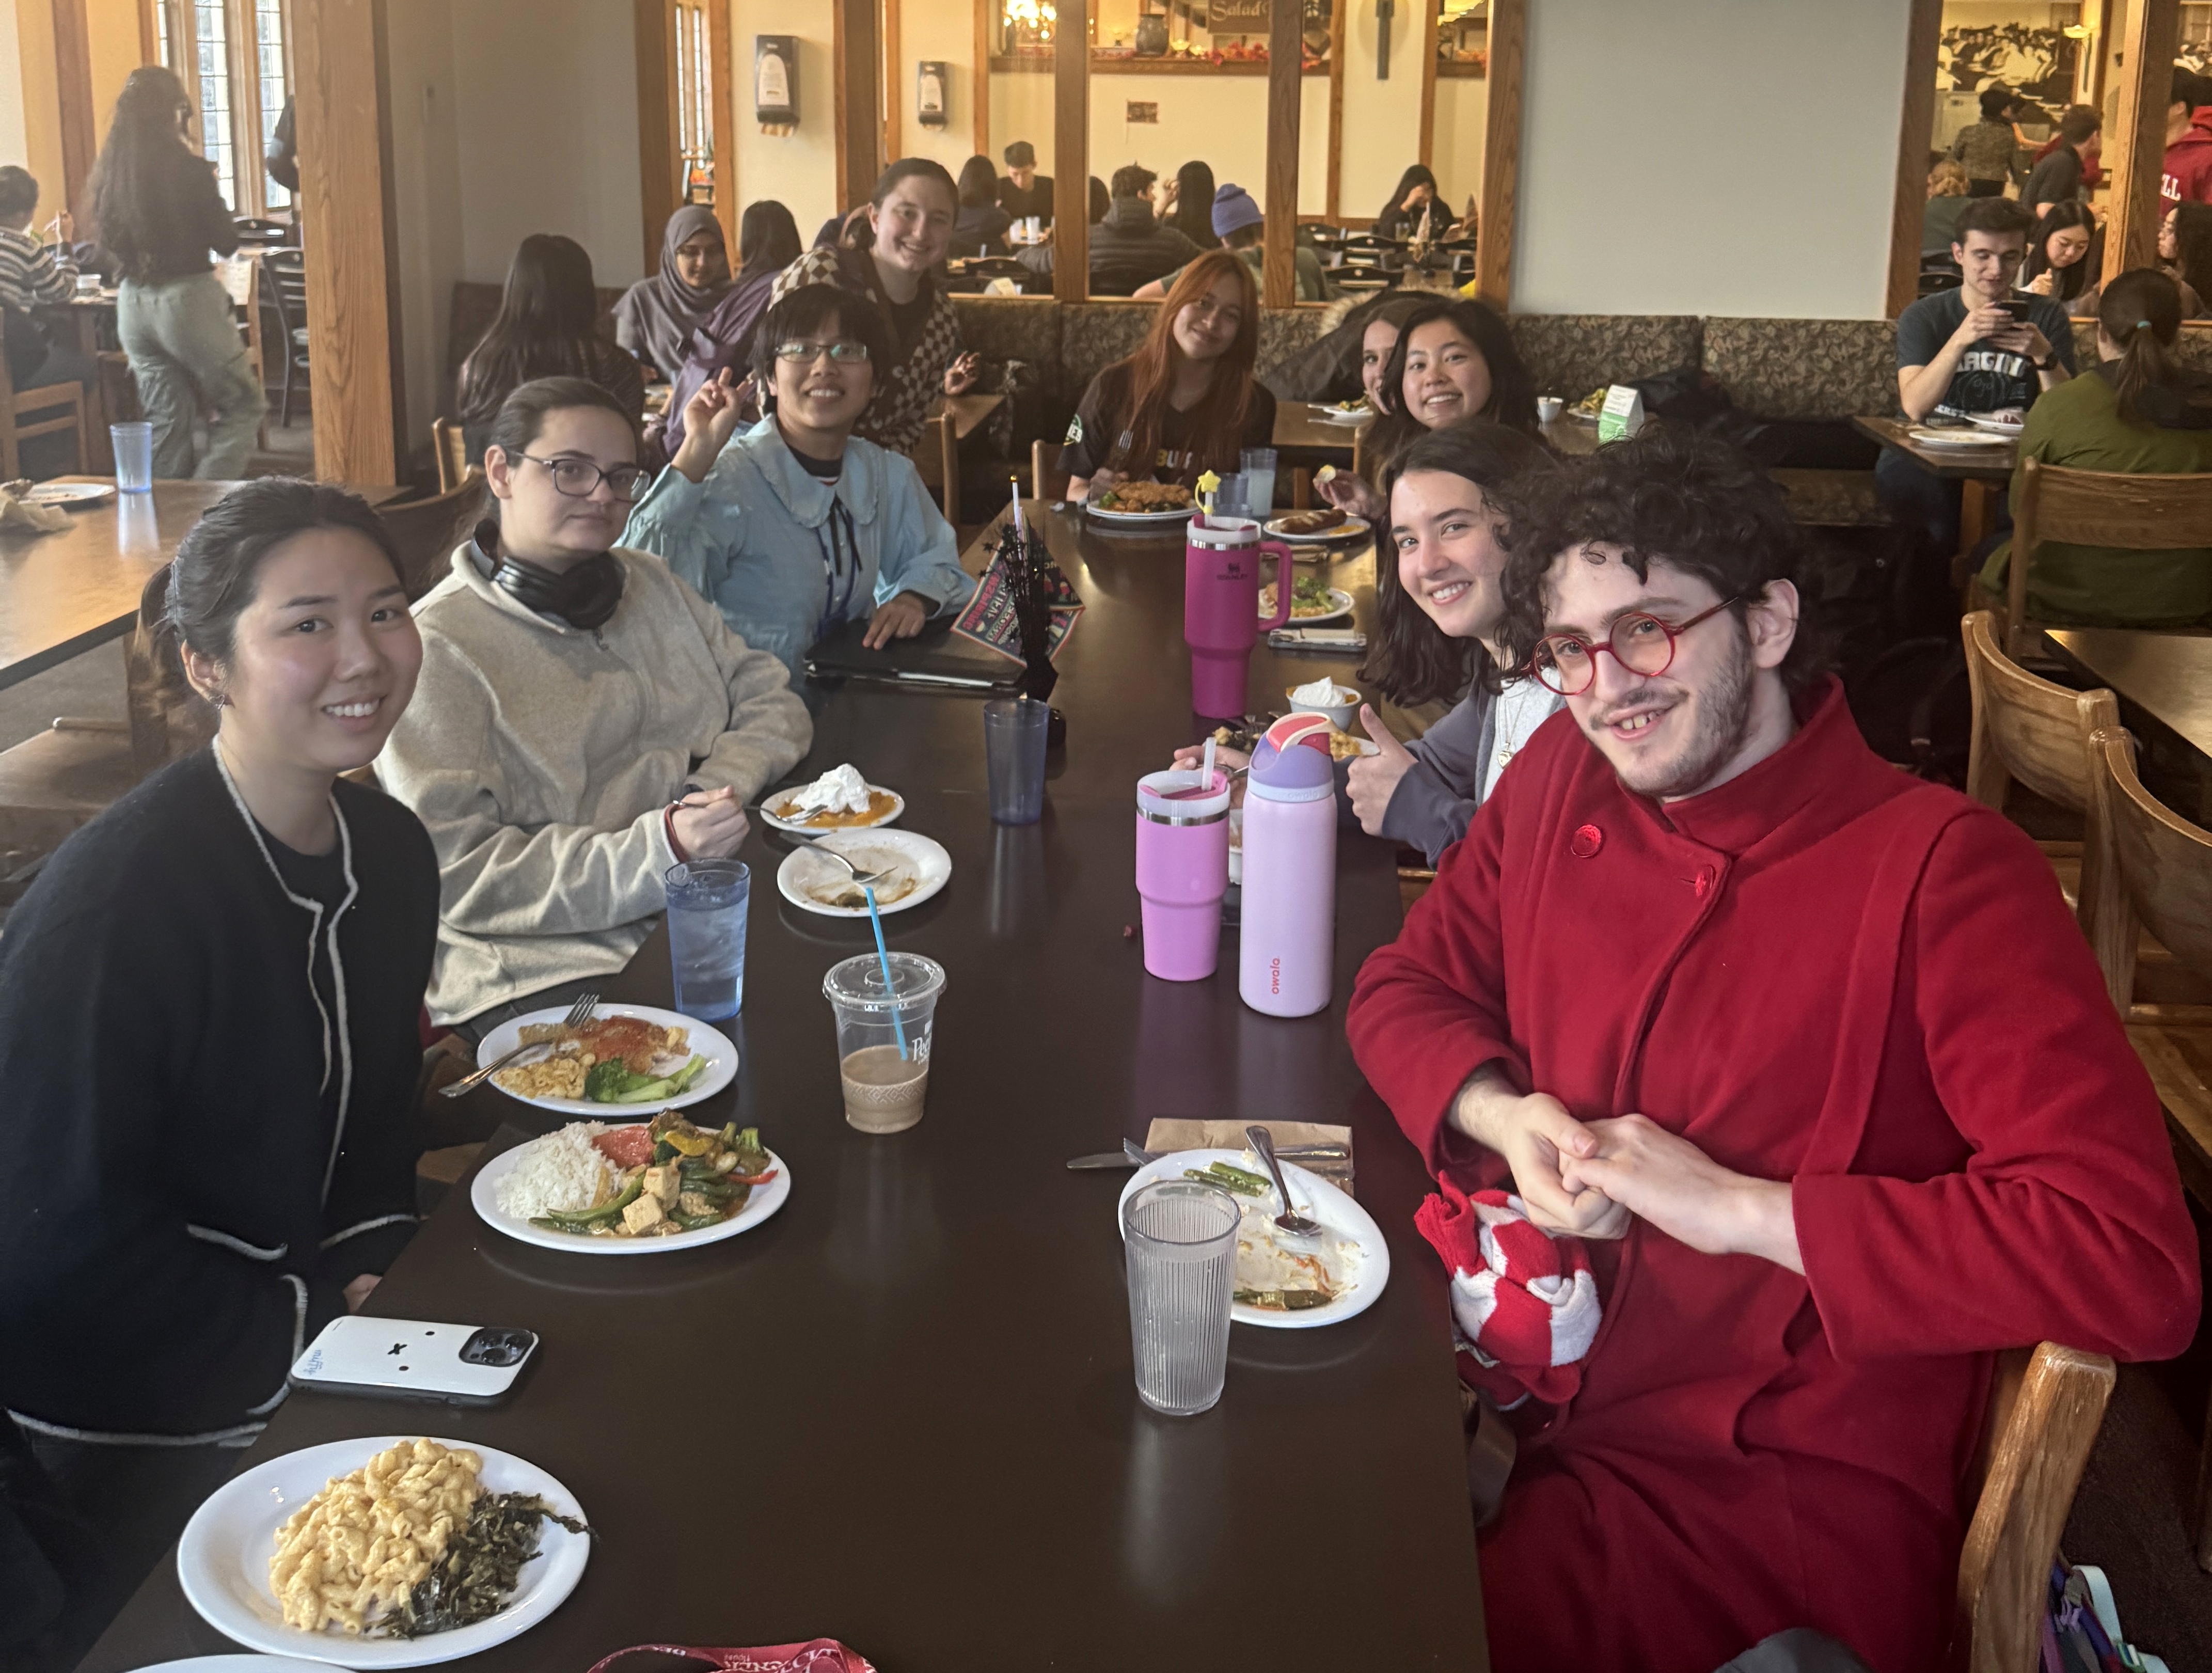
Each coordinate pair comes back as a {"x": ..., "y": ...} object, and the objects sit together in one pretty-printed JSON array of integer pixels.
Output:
[{"x": 1373, "y": 779}]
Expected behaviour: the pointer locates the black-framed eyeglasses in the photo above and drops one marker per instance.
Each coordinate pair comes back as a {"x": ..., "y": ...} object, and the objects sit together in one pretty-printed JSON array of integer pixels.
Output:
[
  {"x": 578, "y": 478},
  {"x": 1640, "y": 643},
  {"x": 844, "y": 351}
]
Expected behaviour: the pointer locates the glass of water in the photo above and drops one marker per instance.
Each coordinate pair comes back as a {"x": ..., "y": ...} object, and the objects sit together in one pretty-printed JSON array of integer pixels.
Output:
[
  {"x": 1181, "y": 1241},
  {"x": 1260, "y": 483},
  {"x": 707, "y": 901}
]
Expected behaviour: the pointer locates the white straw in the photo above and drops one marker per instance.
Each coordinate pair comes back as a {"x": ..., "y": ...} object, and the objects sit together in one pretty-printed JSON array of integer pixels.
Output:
[{"x": 1019, "y": 529}]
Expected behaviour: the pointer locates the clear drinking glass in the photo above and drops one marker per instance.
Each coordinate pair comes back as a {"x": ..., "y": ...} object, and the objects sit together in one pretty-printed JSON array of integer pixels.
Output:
[
  {"x": 1014, "y": 748},
  {"x": 883, "y": 1035},
  {"x": 134, "y": 456},
  {"x": 707, "y": 911},
  {"x": 1181, "y": 1241},
  {"x": 1260, "y": 483}
]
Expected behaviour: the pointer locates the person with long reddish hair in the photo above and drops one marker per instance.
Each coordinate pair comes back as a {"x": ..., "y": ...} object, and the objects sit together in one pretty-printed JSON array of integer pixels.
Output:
[{"x": 1185, "y": 401}]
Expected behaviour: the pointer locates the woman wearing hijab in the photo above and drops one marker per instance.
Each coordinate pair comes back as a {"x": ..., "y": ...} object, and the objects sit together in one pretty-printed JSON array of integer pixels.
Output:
[
  {"x": 657, "y": 316},
  {"x": 768, "y": 242}
]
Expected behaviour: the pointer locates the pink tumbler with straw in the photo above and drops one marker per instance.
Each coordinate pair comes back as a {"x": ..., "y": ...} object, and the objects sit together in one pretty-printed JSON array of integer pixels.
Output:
[
  {"x": 1221, "y": 607},
  {"x": 1183, "y": 870}
]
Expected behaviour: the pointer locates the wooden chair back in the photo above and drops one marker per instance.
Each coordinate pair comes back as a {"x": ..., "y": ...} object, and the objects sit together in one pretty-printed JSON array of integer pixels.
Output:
[
  {"x": 452, "y": 450},
  {"x": 426, "y": 531},
  {"x": 2139, "y": 512},
  {"x": 2143, "y": 867},
  {"x": 2024, "y": 727},
  {"x": 2044, "y": 1412},
  {"x": 62, "y": 403}
]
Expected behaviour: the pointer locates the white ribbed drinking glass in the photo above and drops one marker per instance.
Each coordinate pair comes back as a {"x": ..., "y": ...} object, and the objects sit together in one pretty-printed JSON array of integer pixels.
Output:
[{"x": 1182, "y": 1243}]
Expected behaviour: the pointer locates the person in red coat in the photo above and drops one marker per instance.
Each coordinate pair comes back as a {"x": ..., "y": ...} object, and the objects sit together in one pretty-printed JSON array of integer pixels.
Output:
[{"x": 1812, "y": 1057}]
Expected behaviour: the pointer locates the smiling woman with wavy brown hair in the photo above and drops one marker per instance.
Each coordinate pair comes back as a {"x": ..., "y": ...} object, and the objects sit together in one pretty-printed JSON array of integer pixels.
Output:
[{"x": 1186, "y": 400}]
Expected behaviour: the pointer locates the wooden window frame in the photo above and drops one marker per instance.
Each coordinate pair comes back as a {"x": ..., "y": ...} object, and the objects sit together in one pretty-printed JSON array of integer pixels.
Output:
[
  {"x": 664, "y": 173},
  {"x": 171, "y": 21}
]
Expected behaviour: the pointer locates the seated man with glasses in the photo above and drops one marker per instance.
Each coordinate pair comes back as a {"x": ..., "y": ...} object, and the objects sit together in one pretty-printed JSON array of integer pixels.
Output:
[
  {"x": 583, "y": 721},
  {"x": 798, "y": 524},
  {"x": 1810, "y": 1057}
]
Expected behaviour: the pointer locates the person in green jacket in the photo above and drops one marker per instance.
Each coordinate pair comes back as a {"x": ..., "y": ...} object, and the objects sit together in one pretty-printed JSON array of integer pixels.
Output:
[{"x": 2141, "y": 410}]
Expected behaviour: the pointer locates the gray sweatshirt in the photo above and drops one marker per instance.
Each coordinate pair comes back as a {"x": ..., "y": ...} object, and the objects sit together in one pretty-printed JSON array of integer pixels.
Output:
[{"x": 1457, "y": 760}]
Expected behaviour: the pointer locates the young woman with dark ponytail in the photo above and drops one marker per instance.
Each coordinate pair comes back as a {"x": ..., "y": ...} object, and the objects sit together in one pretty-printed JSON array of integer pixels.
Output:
[{"x": 2139, "y": 411}]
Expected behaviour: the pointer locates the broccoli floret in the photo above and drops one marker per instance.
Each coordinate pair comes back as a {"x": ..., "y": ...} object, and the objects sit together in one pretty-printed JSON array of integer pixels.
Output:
[{"x": 604, "y": 1082}]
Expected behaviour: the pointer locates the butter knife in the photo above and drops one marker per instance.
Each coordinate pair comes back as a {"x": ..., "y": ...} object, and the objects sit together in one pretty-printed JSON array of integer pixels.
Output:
[{"x": 1133, "y": 1155}]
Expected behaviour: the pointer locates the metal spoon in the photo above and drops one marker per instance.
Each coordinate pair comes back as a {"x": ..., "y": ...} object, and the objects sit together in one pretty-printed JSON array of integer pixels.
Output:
[{"x": 1297, "y": 1225}]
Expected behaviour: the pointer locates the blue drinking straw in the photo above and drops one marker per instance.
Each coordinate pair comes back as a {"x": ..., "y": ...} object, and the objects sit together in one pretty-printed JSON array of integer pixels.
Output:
[{"x": 884, "y": 958}]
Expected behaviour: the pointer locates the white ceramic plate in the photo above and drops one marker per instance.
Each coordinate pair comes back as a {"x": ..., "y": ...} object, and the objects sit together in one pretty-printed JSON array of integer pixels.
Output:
[
  {"x": 1316, "y": 1199},
  {"x": 2006, "y": 427},
  {"x": 1139, "y": 520},
  {"x": 483, "y": 1195},
  {"x": 240, "y": 1665},
  {"x": 931, "y": 863},
  {"x": 1330, "y": 415},
  {"x": 709, "y": 1043},
  {"x": 70, "y": 495},
  {"x": 222, "y": 1560},
  {"x": 775, "y": 819},
  {"x": 1352, "y": 528},
  {"x": 1964, "y": 438},
  {"x": 1338, "y": 599}
]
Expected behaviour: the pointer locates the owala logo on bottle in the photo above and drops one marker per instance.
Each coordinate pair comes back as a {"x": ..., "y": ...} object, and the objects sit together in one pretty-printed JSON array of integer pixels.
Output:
[{"x": 1274, "y": 976}]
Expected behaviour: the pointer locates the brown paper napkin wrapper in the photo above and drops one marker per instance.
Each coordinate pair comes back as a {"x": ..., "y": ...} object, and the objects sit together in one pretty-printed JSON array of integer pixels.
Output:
[{"x": 1175, "y": 1133}]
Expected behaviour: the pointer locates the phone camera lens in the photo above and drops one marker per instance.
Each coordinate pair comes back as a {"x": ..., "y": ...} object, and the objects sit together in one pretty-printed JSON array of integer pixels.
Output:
[{"x": 497, "y": 1348}]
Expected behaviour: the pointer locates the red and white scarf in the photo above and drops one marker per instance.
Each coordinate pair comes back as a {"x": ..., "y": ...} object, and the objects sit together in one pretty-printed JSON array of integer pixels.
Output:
[{"x": 1524, "y": 1302}]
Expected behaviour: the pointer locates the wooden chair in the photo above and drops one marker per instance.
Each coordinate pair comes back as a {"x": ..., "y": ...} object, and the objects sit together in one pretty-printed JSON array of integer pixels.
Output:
[
  {"x": 936, "y": 459},
  {"x": 2044, "y": 1413},
  {"x": 64, "y": 405},
  {"x": 287, "y": 272},
  {"x": 1047, "y": 480},
  {"x": 452, "y": 450},
  {"x": 2145, "y": 513},
  {"x": 426, "y": 531}
]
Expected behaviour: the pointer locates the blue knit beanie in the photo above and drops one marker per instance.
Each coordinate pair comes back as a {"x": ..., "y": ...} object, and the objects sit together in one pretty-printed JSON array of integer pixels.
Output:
[{"x": 1233, "y": 209}]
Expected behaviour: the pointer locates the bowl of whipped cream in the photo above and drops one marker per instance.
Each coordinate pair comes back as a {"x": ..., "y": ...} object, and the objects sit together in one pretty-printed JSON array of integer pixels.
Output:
[{"x": 1339, "y": 703}]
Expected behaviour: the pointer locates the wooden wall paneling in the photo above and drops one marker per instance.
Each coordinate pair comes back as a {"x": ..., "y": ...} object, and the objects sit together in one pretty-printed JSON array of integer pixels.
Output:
[
  {"x": 1339, "y": 35},
  {"x": 895, "y": 86},
  {"x": 2135, "y": 154},
  {"x": 1501, "y": 148},
  {"x": 73, "y": 85},
  {"x": 150, "y": 31},
  {"x": 342, "y": 111},
  {"x": 1279, "y": 266},
  {"x": 1427, "y": 37},
  {"x": 2096, "y": 51},
  {"x": 859, "y": 135},
  {"x": 659, "y": 149},
  {"x": 1915, "y": 127},
  {"x": 722, "y": 125},
  {"x": 1070, "y": 152},
  {"x": 979, "y": 101}
]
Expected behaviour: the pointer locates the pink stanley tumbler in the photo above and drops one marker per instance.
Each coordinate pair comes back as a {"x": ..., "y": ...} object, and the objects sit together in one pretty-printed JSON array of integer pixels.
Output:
[
  {"x": 1286, "y": 939},
  {"x": 1182, "y": 870},
  {"x": 1221, "y": 607}
]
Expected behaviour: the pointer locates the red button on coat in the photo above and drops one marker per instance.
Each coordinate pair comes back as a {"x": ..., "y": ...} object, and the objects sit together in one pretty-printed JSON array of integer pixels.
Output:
[
  {"x": 1704, "y": 880},
  {"x": 1587, "y": 840}
]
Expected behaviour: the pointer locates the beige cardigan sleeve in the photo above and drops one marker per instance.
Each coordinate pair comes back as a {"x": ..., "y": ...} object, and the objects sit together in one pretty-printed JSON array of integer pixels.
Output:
[
  {"x": 496, "y": 878},
  {"x": 769, "y": 729}
]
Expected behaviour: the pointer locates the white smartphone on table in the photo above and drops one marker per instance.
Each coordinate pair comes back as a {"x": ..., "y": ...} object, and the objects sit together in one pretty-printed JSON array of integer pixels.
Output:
[{"x": 410, "y": 1358}]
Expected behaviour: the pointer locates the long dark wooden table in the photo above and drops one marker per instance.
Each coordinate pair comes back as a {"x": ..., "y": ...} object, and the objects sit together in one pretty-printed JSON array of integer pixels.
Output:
[
  {"x": 64, "y": 592},
  {"x": 2164, "y": 682},
  {"x": 917, "y": 1379}
]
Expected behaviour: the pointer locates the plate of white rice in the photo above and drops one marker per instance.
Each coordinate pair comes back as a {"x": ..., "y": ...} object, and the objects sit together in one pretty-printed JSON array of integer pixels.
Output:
[{"x": 564, "y": 1169}]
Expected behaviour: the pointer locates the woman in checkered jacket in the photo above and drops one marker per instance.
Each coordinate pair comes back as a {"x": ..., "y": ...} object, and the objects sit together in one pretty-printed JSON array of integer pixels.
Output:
[{"x": 902, "y": 243}]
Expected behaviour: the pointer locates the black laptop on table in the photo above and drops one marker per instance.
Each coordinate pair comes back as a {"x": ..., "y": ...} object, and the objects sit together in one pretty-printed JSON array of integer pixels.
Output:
[{"x": 936, "y": 658}]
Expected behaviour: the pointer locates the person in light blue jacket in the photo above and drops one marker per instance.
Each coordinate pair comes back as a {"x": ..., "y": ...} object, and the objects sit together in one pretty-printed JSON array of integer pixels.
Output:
[{"x": 797, "y": 524}]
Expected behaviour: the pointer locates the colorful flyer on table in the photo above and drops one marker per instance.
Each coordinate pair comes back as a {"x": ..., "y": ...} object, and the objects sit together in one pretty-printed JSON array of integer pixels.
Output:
[{"x": 990, "y": 619}]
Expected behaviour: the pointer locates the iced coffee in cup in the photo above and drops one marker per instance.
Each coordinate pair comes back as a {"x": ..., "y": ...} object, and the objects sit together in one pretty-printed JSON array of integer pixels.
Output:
[{"x": 883, "y": 1034}]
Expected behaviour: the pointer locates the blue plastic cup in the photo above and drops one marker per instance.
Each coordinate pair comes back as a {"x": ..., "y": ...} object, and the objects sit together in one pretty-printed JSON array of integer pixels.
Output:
[
  {"x": 1014, "y": 732},
  {"x": 707, "y": 904},
  {"x": 134, "y": 456}
]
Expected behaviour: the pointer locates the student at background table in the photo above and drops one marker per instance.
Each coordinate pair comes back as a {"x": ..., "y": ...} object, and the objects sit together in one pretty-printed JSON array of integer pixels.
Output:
[
  {"x": 980, "y": 228},
  {"x": 768, "y": 242},
  {"x": 1189, "y": 195},
  {"x": 33, "y": 273},
  {"x": 2060, "y": 172},
  {"x": 1989, "y": 149},
  {"x": 208, "y": 1005},
  {"x": 548, "y": 326},
  {"x": 900, "y": 238},
  {"x": 1805, "y": 1056},
  {"x": 1441, "y": 609},
  {"x": 2058, "y": 262},
  {"x": 158, "y": 214},
  {"x": 1416, "y": 209},
  {"x": 1454, "y": 359},
  {"x": 1187, "y": 399},
  {"x": 585, "y": 720},
  {"x": 2138, "y": 409},
  {"x": 1023, "y": 193},
  {"x": 2184, "y": 255},
  {"x": 1239, "y": 226},
  {"x": 1947, "y": 200},
  {"x": 797, "y": 524},
  {"x": 655, "y": 318}
]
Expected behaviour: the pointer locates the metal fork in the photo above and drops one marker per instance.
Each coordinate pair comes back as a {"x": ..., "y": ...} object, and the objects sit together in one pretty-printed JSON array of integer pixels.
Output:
[
  {"x": 578, "y": 1014},
  {"x": 864, "y": 879}
]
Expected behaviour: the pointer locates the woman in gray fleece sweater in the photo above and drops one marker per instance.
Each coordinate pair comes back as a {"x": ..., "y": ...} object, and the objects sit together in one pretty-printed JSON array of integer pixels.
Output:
[{"x": 583, "y": 721}]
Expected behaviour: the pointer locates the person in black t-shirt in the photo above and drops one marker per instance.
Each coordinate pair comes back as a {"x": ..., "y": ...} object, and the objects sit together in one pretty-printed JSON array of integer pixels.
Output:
[
  {"x": 1185, "y": 402},
  {"x": 1023, "y": 192},
  {"x": 1965, "y": 352}
]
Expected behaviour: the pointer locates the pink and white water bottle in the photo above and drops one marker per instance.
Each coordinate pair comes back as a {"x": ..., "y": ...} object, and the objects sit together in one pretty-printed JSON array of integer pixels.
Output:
[
  {"x": 1182, "y": 870},
  {"x": 1287, "y": 948}
]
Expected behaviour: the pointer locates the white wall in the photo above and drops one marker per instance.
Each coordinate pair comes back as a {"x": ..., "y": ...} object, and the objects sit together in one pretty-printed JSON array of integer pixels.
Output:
[
  {"x": 1685, "y": 159},
  {"x": 548, "y": 131},
  {"x": 944, "y": 30},
  {"x": 1463, "y": 108},
  {"x": 426, "y": 184},
  {"x": 799, "y": 170},
  {"x": 13, "y": 140}
]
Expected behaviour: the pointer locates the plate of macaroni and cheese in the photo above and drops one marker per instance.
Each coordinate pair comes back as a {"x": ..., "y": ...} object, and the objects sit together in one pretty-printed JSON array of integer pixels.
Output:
[
  {"x": 626, "y": 1057},
  {"x": 390, "y": 1551}
]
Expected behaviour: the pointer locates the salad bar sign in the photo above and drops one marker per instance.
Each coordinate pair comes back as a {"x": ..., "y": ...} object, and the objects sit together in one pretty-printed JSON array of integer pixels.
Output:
[{"x": 1230, "y": 16}]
